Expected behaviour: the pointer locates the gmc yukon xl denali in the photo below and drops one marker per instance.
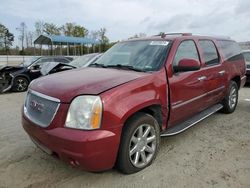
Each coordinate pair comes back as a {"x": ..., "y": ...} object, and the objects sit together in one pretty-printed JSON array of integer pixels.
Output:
[{"x": 114, "y": 112}]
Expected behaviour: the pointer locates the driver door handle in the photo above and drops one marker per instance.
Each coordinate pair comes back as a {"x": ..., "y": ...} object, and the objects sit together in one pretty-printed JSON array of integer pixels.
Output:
[
  {"x": 222, "y": 72},
  {"x": 202, "y": 78}
]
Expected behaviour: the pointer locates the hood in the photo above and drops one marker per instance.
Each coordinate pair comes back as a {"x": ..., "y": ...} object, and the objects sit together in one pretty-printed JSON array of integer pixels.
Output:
[
  {"x": 10, "y": 68},
  {"x": 90, "y": 81}
]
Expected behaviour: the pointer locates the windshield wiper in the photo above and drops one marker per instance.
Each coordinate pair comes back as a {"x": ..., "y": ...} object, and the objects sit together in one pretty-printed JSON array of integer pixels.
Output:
[
  {"x": 126, "y": 67},
  {"x": 97, "y": 65}
]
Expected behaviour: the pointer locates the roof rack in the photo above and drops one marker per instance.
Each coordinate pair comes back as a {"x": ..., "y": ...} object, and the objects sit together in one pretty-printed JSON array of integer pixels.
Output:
[{"x": 162, "y": 34}]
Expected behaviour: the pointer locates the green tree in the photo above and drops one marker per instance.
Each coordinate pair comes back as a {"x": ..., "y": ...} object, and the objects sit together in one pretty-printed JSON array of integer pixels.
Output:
[
  {"x": 51, "y": 29},
  {"x": 6, "y": 38},
  {"x": 103, "y": 38},
  {"x": 80, "y": 31},
  {"x": 71, "y": 29},
  {"x": 68, "y": 29}
]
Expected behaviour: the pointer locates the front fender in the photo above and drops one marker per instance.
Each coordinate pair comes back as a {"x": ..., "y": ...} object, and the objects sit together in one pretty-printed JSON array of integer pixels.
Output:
[{"x": 123, "y": 101}]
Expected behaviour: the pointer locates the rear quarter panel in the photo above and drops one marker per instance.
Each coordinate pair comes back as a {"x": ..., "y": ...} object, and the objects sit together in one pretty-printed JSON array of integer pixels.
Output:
[{"x": 234, "y": 66}]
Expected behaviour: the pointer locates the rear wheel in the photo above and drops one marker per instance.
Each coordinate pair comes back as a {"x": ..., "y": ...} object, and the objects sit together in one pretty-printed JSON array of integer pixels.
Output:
[
  {"x": 20, "y": 84},
  {"x": 231, "y": 100},
  {"x": 139, "y": 143}
]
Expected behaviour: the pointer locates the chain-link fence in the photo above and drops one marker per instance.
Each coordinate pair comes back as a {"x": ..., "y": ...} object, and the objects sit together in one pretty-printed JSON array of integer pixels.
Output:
[{"x": 12, "y": 60}]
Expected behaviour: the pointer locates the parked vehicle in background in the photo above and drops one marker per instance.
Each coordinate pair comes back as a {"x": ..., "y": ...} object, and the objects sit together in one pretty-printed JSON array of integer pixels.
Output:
[
  {"x": 246, "y": 54},
  {"x": 17, "y": 78},
  {"x": 79, "y": 62},
  {"x": 116, "y": 110}
]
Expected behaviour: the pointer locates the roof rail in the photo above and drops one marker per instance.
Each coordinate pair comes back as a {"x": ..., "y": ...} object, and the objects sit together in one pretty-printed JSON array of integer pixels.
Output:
[{"x": 162, "y": 34}]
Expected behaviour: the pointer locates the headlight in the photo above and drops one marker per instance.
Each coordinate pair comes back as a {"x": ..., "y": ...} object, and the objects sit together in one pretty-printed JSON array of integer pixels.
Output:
[{"x": 85, "y": 112}]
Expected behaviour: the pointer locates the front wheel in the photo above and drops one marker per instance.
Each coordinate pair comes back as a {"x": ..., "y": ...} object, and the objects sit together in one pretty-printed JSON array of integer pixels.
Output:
[
  {"x": 139, "y": 143},
  {"x": 20, "y": 84},
  {"x": 231, "y": 99}
]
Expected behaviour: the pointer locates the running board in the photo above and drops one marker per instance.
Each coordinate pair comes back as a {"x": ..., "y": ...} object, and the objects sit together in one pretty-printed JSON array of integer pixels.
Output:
[{"x": 192, "y": 121}]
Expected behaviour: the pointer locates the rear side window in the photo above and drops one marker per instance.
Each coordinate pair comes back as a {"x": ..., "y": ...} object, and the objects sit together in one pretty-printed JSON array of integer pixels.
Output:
[
  {"x": 210, "y": 53},
  {"x": 43, "y": 60},
  {"x": 247, "y": 56},
  {"x": 230, "y": 49},
  {"x": 61, "y": 60},
  {"x": 186, "y": 50}
]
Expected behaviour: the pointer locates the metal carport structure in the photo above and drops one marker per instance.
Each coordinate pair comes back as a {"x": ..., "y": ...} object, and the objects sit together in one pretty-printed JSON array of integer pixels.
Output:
[{"x": 68, "y": 41}]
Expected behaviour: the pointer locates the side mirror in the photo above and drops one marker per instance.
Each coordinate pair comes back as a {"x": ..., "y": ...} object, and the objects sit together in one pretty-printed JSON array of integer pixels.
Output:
[
  {"x": 188, "y": 65},
  {"x": 35, "y": 67}
]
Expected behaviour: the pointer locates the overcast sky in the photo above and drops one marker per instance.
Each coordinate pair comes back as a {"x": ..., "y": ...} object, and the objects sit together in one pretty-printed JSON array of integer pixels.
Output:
[{"x": 124, "y": 18}]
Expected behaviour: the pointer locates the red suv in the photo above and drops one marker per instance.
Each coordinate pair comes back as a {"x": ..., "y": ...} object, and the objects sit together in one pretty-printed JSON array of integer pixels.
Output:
[{"x": 114, "y": 112}]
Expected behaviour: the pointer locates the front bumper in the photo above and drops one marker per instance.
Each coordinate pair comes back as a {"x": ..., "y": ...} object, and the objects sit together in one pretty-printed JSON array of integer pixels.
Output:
[{"x": 91, "y": 150}]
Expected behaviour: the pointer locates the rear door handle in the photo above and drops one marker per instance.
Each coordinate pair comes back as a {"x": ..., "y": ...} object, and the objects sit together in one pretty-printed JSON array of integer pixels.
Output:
[
  {"x": 222, "y": 72},
  {"x": 202, "y": 78}
]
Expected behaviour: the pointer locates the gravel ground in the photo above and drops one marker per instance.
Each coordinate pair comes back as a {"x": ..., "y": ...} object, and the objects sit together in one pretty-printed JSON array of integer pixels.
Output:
[{"x": 214, "y": 153}]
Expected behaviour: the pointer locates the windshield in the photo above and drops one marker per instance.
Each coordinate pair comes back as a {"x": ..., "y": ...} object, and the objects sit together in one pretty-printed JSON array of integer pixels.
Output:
[
  {"x": 28, "y": 62},
  {"x": 247, "y": 57},
  {"x": 140, "y": 55},
  {"x": 82, "y": 61}
]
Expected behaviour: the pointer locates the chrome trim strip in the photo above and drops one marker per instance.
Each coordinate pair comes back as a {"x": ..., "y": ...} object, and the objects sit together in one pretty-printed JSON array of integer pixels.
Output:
[
  {"x": 196, "y": 98},
  {"x": 188, "y": 101},
  {"x": 44, "y": 96},
  {"x": 243, "y": 77},
  {"x": 171, "y": 134}
]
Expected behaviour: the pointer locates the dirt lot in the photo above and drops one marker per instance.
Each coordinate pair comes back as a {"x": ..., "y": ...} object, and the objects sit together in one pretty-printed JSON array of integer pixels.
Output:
[{"x": 214, "y": 153}]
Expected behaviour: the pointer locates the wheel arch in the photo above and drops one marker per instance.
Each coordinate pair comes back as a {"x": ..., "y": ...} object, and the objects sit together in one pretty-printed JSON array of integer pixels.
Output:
[
  {"x": 154, "y": 110},
  {"x": 18, "y": 76},
  {"x": 237, "y": 80}
]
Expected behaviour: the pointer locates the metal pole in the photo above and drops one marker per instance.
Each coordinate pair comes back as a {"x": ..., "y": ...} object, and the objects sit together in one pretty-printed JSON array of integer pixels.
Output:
[
  {"x": 7, "y": 58},
  {"x": 74, "y": 49},
  {"x": 34, "y": 50},
  {"x": 61, "y": 48},
  {"x": 81, "y": 50},
  {"x": 52, "y": 52},
  {"x": 67, "y": 49}
]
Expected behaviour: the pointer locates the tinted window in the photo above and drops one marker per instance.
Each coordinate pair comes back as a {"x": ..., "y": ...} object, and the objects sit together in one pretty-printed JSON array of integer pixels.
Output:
[
  {"x": 61, "y": 60},
  {"x": 187, "y": 50},
  {"x": 247, "y": 57},
  {"x": 209, "y": 52},
  {"x": 230, "y": 49},
  {"x": 43, "y": 60}
]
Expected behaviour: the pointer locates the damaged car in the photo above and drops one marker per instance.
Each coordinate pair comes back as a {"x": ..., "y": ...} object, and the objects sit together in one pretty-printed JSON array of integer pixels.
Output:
[
  {"x": 17, "y": 78},
  {"x": 80, "y": 62}
]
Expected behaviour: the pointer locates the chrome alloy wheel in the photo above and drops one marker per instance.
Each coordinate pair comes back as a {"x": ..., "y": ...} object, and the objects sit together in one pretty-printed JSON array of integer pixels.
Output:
[
  {"x": 232, "y": 97},
  {"x": 21, "y": 84},
  {"x": 142, "y": 146}
]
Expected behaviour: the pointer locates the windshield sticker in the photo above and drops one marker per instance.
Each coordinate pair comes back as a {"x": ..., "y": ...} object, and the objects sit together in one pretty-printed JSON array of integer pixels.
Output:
[{"x": 159, "y": 43}]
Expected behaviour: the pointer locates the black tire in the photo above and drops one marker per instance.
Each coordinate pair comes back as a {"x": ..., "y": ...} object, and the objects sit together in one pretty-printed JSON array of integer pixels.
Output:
[
  {"x": 20, "y": 84},
  {"x": 125, "y": 160},
  {"x": 229, "y": 105}
]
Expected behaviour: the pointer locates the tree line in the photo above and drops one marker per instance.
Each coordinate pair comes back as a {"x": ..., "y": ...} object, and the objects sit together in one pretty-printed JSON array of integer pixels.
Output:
[{"x": 26, "y": 37}]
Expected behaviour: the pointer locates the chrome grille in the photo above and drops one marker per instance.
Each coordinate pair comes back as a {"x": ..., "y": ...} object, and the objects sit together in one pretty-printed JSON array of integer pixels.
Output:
[{"x": 40, "y": 108}]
